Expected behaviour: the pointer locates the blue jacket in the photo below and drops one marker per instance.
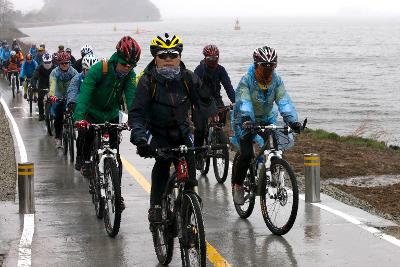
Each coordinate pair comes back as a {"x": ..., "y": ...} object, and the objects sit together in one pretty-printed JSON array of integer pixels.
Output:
[
  {"x": 5, "y": 54},
  {"x": 60, "y": 80},
  {"x": 74, "y": 88},
  {"x": 27, "y": 69},
  {"x": 39, "y": 59},
  {"x": 258, "y": 104},
  {"x": 33, "y": 52},
  {"x": 213, "y": 80}
]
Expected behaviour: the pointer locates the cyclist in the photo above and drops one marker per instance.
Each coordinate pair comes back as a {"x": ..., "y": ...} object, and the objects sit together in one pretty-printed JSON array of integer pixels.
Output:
[
  {"x": 86, "y": 49},
  {"x": 73, "y": 60},
  {"x": 39, "y": 56},
  {"x": 19, "y": 53},
  {"x": 60, "y": 79},
  {"x": 5, "y": 55},
  {"x": 165, "y": 94},
  {"x": 14, "y": 44},
  {"x": 72, "y": 95},
  {"x": 256, "y": 94},
  {"x": 212, "y": 75},
  {"x": 40, "y": 81},
  {"x": 27, "y": 69},
  {"x": 60, "y": 48},
  {"x": 102, "y": 92},
  {"x": 13, "y": 65},
  {"x": 33, "y": 51}
]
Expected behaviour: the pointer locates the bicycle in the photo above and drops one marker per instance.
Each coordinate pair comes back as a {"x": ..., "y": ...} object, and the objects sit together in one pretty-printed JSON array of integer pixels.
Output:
[
  {"x": 30, "y": 93},
  {"x": 105, "y": 181},
  {"x": 68, "y": 135},
  {"x": 13, "y": 79},
  {"x": 272, "y": 178},
  {"x": 181, "y": 214},
  {"x": 216, "y": 135}
]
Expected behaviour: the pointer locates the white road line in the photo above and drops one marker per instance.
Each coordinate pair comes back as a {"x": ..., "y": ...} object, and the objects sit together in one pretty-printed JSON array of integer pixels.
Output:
[
  {"x": 376, "y": 232},
  {"x": 25, "y": 253},
  {"x": 17, "y": 134},
  {"x": 24, "y": 250}
]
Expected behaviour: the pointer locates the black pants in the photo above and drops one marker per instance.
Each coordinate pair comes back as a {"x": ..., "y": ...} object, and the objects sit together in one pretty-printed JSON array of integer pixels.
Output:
[
  {"x": 58, "y": 111},
  {"x": 41, "y": 94},
  {"x": 160, "y": 173},
  {"x": 16, "y": 78},
  {"x": 243, "y": 163}
]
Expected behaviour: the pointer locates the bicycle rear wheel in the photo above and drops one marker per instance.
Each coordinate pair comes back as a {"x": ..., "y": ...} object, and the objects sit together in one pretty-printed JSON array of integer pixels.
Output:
[
  {"x": 113, "y": 201},
  {"x": 221, "y": 158},
  {"x": 163, "y": 238},
  {"x": 279, "y": 197},
  {"x": 245, "y": 210},
  {"x": 193, "y": 241}
]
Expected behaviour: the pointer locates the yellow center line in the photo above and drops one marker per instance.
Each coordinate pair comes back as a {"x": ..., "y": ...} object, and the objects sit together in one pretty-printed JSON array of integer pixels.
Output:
[{"x": 212, "y": 254}]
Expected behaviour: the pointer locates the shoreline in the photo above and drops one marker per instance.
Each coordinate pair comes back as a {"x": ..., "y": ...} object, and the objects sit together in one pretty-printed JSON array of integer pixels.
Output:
[{"x": 58, "y": 23}]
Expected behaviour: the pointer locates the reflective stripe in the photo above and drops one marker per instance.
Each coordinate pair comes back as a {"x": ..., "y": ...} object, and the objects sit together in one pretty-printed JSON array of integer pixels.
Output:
[
  {"x": 25, "y": 173},
  {"x": 311, "y": 158},
  {"x": 311, "y": 164}
]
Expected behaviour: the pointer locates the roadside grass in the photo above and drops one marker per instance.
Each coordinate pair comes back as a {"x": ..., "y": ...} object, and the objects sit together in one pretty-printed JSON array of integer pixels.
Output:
[{"x": 355, "y": 140}]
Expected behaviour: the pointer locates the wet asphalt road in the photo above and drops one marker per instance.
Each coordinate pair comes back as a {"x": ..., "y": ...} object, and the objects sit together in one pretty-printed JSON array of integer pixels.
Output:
[{"x": 67, "y": 232}]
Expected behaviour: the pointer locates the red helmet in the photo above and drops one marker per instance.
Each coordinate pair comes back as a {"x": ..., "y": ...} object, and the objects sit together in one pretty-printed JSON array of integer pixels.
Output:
[
  {"x": 63, "y": 57},
  {"x": 129, "y": 50},
  {"x": 211, "y": 51}
]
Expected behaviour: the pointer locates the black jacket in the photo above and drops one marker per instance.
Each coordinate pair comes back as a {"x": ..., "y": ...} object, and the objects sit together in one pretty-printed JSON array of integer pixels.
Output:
[
  {"x": 78, "y": 65},
  {"x": 161, "y": 106},
  {"x": 40, "y": 78},
  {"x": 213, "y": 80}
]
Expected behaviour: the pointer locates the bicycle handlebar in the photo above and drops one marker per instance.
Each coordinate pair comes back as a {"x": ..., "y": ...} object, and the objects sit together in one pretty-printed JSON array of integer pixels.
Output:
[
  {"x": 184, "y": 149},
  {"x": 119, "y": 126}
]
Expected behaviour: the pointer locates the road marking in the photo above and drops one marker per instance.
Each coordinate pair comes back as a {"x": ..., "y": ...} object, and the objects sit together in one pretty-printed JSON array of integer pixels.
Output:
[
  {"x": 25, "y": 253},
  {"x": 17, "y": 134},
  {"x": 212, "y": 254},
  {"x": 24, "y": 250},
  {"x": 376, "y": 232}
]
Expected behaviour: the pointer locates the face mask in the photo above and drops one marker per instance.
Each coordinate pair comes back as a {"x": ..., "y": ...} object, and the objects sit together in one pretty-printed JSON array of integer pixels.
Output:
[
  {"x": 212, "y": 64},
  {"x": 169, "y": 72},
  {"x": 119, "y": 74},
  {"x": 47, "y": 66}
]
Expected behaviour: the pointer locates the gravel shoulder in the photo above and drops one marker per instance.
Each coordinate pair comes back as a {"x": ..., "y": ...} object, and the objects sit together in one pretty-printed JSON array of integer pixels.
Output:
[{"x": 8, "y": 169}]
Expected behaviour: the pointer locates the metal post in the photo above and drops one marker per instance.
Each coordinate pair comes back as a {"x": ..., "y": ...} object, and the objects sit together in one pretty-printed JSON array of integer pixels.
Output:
[
  {"x": 312, "y": 177},
  {"x": 26, "y": 190}
]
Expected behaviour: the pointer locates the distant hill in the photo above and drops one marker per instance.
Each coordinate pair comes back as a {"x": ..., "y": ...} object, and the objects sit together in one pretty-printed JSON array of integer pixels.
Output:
[{"x": 57, "y": 11}]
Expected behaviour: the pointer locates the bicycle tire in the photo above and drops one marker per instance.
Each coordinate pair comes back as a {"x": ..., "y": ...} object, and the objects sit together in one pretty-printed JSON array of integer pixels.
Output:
[
  {"x": 65, "y": 141},
  {"x": 113, "y": 201},
  {"x": 163, "y": 239},
  {"x": 48, "y": 118},
  {"x": 98, "y": 201},
  {"x": 281, "y": 197},
  {"x": 244, "y": 211},
  {"x": 13, "y": 85},
  {"x": 193, "y": 241},
  {"x": 220, "y": 138},
  {"x": 71, "y": 141},
  {"x": 30, "y": 98},
  {"x": 205, "y": 165}
]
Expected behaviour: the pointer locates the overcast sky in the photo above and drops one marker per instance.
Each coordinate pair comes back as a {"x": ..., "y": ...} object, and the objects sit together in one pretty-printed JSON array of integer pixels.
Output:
[{"x": 242, "y": 8}]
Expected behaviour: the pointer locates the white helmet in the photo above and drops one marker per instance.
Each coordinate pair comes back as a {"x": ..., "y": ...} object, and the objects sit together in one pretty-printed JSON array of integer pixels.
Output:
[
  {"x": 47, "y": 58},
  {"x": 86, "y": 49},
  {"x": 88, "y": 61},
  {"x": 13, "y": 53}
]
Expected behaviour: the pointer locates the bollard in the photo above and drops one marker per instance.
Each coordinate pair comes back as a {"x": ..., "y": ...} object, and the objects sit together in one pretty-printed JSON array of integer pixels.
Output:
[
  {"x": 312, "y": 177},
  {"x": 26, "y": 191}
]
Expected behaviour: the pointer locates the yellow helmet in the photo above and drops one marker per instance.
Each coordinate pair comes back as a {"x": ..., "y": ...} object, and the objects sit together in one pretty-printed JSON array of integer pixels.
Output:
[{"x": 158, "y": 43}]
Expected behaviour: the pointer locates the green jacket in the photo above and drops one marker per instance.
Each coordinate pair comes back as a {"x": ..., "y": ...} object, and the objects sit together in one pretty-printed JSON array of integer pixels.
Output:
[{"x": 101, "y": 94}]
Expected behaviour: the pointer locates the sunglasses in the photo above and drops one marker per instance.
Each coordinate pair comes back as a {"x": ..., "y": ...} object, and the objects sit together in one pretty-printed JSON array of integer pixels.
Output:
[
  {"x": 168, "y": 54},
  {"x": 267, "y": 65},
  {"x": 212, "y": 58},
  {"x": 64, "y": 63}
]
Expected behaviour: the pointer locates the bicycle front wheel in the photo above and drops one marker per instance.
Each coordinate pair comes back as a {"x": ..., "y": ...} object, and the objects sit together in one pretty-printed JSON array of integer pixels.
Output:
[
  {"x": 193, "y": 241},
  {"x": 163, "y": 238},
  {"x": 279, "y": 197},
  {"x": 71, "y": 131},
  {"x": 48, "y": 118},
  {"x": 65, "y": 140},
  {"x": 13, "y": 85},
  {"x": 221, "y": 158},
  {"x": 113, "y": 201}
]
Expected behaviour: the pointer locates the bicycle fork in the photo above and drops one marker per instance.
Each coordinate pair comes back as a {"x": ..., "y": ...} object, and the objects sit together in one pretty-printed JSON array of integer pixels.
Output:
[{"x": 103, "y": 157}]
